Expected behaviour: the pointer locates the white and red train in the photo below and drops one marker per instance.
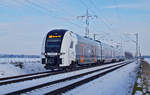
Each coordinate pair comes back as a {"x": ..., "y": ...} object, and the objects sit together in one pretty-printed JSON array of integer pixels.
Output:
[{"x": 63, "y": 48}]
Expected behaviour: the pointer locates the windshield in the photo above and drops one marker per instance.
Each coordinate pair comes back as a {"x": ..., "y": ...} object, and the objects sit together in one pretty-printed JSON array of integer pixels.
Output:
[{"x": 54, "y": 40}]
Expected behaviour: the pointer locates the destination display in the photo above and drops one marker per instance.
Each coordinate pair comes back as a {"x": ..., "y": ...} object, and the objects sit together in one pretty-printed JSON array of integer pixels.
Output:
[{"x": 54, "y": 36}]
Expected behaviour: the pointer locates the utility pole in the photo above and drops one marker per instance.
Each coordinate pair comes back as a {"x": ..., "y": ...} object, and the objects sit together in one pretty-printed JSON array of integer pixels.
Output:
[
  {"x": 87, "y": 17},
  {"x": 94, "y": 36},
  {"x": 139, "y": 52},
  {"x": 137, "y": 45}
]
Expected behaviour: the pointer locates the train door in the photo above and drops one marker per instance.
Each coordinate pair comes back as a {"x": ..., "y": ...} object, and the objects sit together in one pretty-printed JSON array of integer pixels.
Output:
[
  {"x": 111, "y": 55},
  {"x": 100, "y": 53},
  {"x": 103, "y": 53},
  {"x": 71, "y": 51},
  {"x": 106, "y": 54},
  {"x": 81, "y": 54},
  {"x": 95, "y": 59}
]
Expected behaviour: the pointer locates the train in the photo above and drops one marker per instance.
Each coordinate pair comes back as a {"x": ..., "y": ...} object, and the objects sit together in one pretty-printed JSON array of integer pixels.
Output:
[{"x": 63, "y": 48}]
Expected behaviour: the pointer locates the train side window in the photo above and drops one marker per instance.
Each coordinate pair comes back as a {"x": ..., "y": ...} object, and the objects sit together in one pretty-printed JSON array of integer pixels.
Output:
[{"x": 71, "y": 45}]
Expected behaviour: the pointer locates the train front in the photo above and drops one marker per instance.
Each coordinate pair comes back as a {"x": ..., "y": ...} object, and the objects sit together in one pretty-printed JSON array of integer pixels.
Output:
[{"x": 51, "y": 49}]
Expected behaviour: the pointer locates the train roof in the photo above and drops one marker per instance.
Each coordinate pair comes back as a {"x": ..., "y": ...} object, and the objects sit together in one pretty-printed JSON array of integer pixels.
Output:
[
  {"x": 81, "y": 38},
  {"x": 58, "y": 30},
  {"x": 91, "y": 41}
]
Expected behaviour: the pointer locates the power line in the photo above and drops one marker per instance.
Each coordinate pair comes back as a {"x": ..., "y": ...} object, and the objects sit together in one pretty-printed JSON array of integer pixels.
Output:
[
  {"x": 98, "y": 10},
  {"x": 85, "y": 5},
  {"x": 103, "y": 21},
  {"x": 117, "y": 10},
  {"x": 87, "y": 18},
  {"x": 49, "y": 11},
  {"x": 29, "y": 7},
  {"x": 45, "y": 10},
  {"x": 62, "y": 8},
  {"x": 37, "y": 5},
  {"x": 82, "y": 2}
]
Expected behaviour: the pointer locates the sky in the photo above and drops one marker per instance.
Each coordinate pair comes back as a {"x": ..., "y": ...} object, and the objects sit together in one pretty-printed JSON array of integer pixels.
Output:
[{"x": 24, "y": 23}]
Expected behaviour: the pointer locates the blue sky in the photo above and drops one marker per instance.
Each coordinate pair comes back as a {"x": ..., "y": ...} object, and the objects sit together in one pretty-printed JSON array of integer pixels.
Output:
[{"x": 23, "y": 23}]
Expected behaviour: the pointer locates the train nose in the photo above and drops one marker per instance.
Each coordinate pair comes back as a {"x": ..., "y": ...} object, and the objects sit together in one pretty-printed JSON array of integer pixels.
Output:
[{"x": 53, "y": 62}]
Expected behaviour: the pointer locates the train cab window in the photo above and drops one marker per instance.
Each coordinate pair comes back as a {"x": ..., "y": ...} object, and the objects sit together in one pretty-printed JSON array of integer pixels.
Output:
[
  {"x": 71, "y": 45},
  {"x": 54, "y": 40}
]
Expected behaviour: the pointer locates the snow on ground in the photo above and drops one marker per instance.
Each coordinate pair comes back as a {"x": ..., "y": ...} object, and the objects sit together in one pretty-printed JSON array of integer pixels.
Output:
[
  {"x": 18, "y": 66},
  {"x": 47, "y": 89},
  {"x": 139, "y": 82},
  {"x": 119, "y": 82},
  {"x": 138, "y": 93},
  {"x": 9, "y": 70},
  {"x": 11, "y": 87},
  {"x": 25, "y": 60},
  {"x": 33, "y": 68}
]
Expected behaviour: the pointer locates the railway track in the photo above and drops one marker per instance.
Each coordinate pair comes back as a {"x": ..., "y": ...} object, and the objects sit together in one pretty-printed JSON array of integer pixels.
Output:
[
  {"x": 21, "y": 76},
  {"x": 81, "y": 82},
  {"x": 75, "y": 80},
  {"x": 26, "y": 77}
]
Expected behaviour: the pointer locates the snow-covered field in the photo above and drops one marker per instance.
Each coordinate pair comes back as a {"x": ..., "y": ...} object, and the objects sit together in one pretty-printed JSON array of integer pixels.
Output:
[
  {"x": 119, "y": 82},
  {"x": 25, "y": 60},
  {"x": 19, "y": 66},
  {"x": 25, "y": 84}
]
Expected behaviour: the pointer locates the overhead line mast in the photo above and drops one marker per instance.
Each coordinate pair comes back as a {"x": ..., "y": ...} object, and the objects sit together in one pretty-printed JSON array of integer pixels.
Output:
[{"x": 87, "y": 18}]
